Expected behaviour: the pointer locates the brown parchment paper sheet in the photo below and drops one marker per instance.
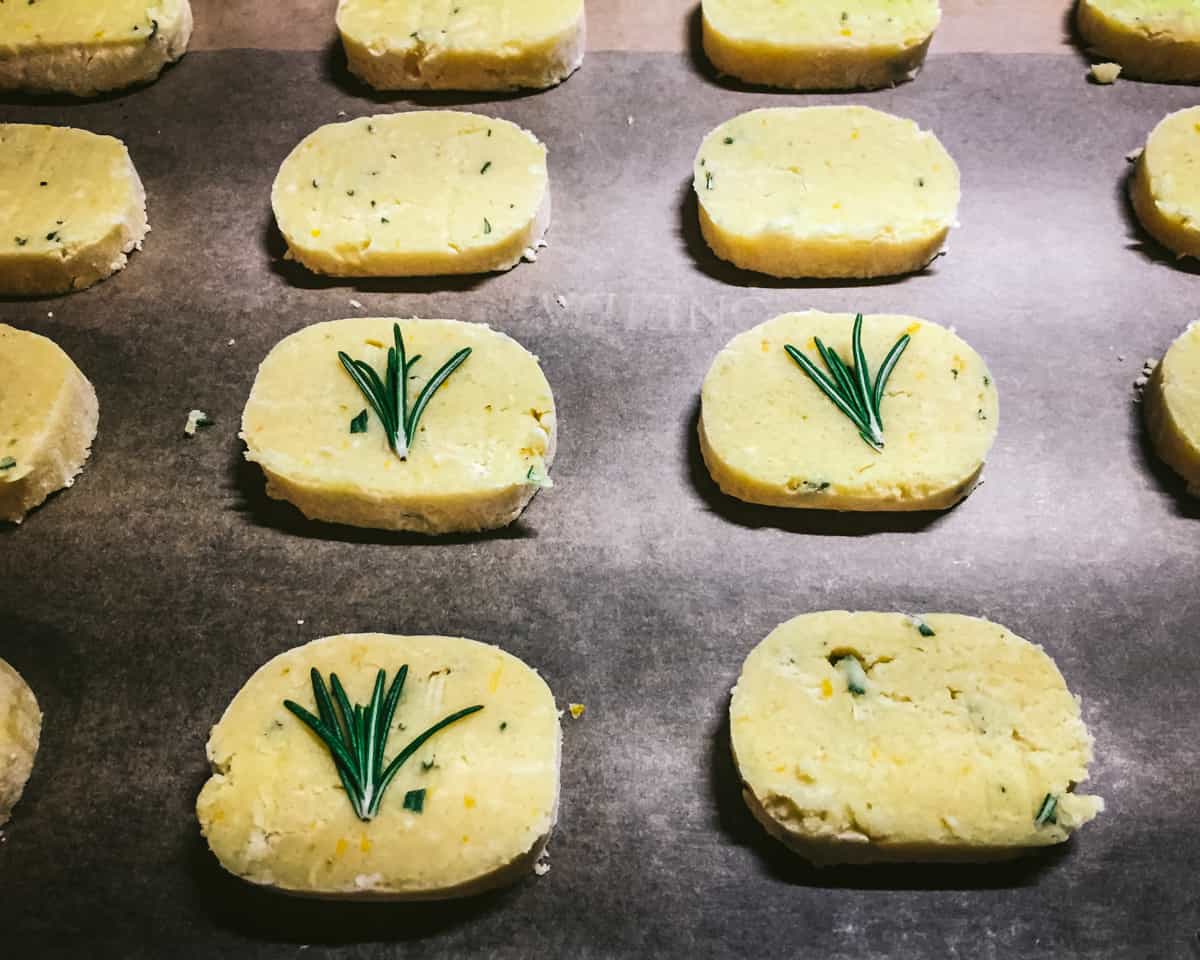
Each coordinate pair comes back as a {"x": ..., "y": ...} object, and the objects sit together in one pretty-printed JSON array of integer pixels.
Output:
[{"x": 139, "y": 601}]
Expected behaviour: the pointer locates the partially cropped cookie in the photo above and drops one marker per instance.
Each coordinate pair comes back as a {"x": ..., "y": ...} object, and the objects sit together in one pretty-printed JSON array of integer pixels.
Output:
[
  {"x": 20, "y": 733},
  {"x": 825, "y": 192},
  {"x": 1155, "y": 40},
  {"x": 75, "y": 209},
  {"x": 865, "y": 737},
  {"x": 48, "y": 419},
  {"x": 454, "y": 790},
  {"x": 819, "y": 44},
  {"x": 472, "y": 444},
  {"x": 1165, "y": 187},
  {"x": 413, "y": 194},
  {"x": 1171, "y": 403},
  {"x": 86, "y": 47},
  {"x": 771, "y": 434},
  {"x": 465, "y": 45}
]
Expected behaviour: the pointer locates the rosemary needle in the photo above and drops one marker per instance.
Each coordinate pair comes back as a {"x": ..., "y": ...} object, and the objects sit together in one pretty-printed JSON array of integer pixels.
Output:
[
  {"x": 388, "y": 396},
  {"x": 850, "y": 388},
  {"x": 357, "y": 736}
]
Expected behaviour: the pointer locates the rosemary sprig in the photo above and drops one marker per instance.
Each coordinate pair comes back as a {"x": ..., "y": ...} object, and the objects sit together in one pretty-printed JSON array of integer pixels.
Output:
[
  {"x": 357, "y": 736},
  {"x": 388, "y": 396},
  {"x": 850, "y": 388}
]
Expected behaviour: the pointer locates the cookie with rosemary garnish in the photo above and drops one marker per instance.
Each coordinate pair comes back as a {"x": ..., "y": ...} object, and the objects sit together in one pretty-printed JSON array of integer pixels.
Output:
[
  {"x": 838, "y": 411},
  {"x": 433, "y": 426},
  {"x": 1171, "y": 403},
  {"x": 370, "y": 766},
  {"x": 863, "y": 737},
  {"x": 20, "y": 733},
  {"x": 48, "y": 419}
]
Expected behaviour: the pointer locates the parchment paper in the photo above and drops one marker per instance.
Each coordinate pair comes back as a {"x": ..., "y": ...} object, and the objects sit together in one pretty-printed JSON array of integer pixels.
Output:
[{"x": 139, "y": 601}]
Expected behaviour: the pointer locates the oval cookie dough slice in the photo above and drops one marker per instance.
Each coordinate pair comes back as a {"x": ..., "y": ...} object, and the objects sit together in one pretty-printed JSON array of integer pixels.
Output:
[
  {"x": 877, "y": 736},
  {"x": 20, "y": 733},
  {"x": 1171, "y": 402},
  {"x": 825, "y": 192},
  {"x": 48, "y": 419},
  {"x": 413, "y": 194},
  {"x": 470, "y": 807},
  {"x": 821, "y": 45},
  {"x": 1165, "y": 187},
  {"x": 71, "y": 208},
  {"x": 770, "y": 435},
  {"x": 467, "y": 45},
  {"x": 85, "y": 47},
  {"x": 1151, "y": 39},
  {"x": 482, "y": 447}
]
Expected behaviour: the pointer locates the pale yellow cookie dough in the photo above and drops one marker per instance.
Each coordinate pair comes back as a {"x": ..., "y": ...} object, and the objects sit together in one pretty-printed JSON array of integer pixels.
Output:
[
  {"x": 860, "y": 738},
  {"x": 85, "y": 47},
  {"x": 819, "y": 44},
  {"x": 483, "y": 447},
  {"x": 71, "y": 208},
  {"x": 276, "y": 814},
  {"x": 770, "y": 436},
  {"x": 413, "y": 194},
  {"x": 464, "y": 45},
  {"x": 1165, "y": 187},
  {"x": 20, "y": 733},
  {"x": 825, "y": 192},
  {"x": 48, "y": 419},
  {"x": 1171, "y": 403},
  {"x": 1151, "y": 39}
]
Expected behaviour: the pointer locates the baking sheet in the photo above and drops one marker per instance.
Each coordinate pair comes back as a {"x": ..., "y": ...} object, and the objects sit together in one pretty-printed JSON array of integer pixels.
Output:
[{"x": 138, "y": 602}]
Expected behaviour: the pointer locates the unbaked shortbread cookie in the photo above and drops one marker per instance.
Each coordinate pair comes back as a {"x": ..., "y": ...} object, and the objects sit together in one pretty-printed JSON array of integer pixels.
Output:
[
  {"x": 470, "y": 807},
  {"x": 1165, "y": 187},
  {"x": 481, "y": 450},
  {"x": 825, "y": 192},
  {"x": 877, "y": 736},
  {"x": 48, "y": 419},
  {"x": 770, "y": 435},
  {"x": 85, "y": 47},
  {"x": 819, "y": 44},
  {"x": 1171, "y": 402},
  {"x": 1151, "y": 39},
  {"x": 464, "y": 45},
  {"x": 20, "y": 732},
  {"x": 413, "y": 194},
  {"x": 71, "y": 208}
]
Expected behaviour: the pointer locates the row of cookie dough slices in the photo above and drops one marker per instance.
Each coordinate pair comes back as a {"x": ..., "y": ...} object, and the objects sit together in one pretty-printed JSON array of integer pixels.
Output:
[
  {"x": 372, "y": 766},
  {"x": 441, "y": 426},
  {"x": 789, "y": 192},
  {"x": 87, "y": 47}
]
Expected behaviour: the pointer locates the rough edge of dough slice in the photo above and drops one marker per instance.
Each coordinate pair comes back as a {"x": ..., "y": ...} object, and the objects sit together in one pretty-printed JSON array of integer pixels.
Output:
[
  {"x": 1166, "y": 433},
  {"x": 71, "y": 430},
  {"x": 421, "y": 67},
  {"x": 1153, "y": 56},
  {"x": 11, "y": 789},
  {"x": 85, "y": 71},
  {"x": 796, "y": 67}
]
